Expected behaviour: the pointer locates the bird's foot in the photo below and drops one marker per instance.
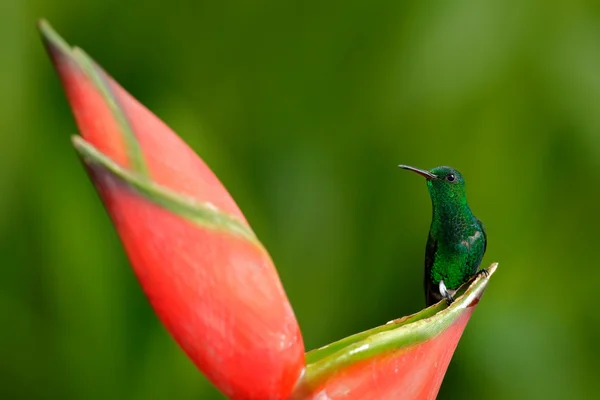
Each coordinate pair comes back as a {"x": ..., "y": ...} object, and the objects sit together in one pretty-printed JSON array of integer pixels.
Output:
[
  {"x": 446, "y": 293},
  {"x": 483, "y": 272}
]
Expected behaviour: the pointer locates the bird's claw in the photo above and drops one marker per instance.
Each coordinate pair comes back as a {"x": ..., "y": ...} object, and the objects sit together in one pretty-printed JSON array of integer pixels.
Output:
[{"x": 483, "y": 272}]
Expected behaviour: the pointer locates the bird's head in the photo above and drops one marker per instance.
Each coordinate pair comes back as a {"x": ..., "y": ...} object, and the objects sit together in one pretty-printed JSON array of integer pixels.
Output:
[{"x": 445, "y": 184}]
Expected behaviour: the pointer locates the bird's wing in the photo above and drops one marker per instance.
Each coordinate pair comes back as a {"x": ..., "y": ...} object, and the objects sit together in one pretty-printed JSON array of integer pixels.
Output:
[
  {"x": 484, "y": 235},
  {"x": 432, "y": 295}
]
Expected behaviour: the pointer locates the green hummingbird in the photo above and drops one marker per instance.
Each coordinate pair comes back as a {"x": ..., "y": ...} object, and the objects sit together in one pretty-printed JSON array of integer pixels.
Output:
[{"x": 457, "y": 239}]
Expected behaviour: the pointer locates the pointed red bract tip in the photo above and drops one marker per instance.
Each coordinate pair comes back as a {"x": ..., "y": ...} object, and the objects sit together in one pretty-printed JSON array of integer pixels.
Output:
[{"x": 207, "y": 277}]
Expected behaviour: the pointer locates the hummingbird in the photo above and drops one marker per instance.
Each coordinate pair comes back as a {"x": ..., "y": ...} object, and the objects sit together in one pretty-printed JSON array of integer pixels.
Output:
[{"x": 457, "y": 239}]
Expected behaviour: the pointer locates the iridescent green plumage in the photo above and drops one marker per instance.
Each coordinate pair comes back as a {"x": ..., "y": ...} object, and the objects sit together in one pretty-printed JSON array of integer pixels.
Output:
[{"x": 457, "y": 239}]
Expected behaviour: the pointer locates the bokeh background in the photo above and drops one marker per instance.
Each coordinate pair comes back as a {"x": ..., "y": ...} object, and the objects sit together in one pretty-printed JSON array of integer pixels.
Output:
[{"x": 304, "y": 109}]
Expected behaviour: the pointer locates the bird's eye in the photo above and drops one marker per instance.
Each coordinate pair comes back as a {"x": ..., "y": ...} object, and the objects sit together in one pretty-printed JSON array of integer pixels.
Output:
[{"x": 451, "y": 177}]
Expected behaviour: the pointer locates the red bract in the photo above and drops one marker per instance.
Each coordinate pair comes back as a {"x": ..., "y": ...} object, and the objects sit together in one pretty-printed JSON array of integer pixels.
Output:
[
  {"x": 404, "y": 359},
  {"x": 408, "y": 373},
  {"x": 206, "y": 275}
]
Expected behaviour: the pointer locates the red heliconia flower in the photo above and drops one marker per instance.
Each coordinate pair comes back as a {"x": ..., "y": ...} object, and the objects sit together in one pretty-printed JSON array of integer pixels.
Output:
[
  {"x": 207, "y": 276},
  {"x": 211, "y": 282}
]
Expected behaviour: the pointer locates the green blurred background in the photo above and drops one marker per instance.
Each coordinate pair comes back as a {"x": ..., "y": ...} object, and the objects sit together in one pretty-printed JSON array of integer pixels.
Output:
[{"x": 304, "y": 109}]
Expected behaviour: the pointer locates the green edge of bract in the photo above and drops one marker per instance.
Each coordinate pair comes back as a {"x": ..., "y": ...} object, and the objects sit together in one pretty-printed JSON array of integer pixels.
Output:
[
  {"x": 320, "y": 353},
  {"x": 202, "y": 213},
  {"x": 98, "y": 77},
  {"x": 59, "y": 47},
  {"x": 52, "y": 39},
  {"x": 327, "y": 361}
]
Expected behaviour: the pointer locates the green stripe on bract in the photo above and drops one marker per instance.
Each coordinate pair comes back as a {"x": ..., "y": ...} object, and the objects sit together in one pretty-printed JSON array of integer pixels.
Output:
[
  {"x": 54, "y": 39},
  {"x": 98, "y": 77},
  {"x": 387, "y": 338},
  {"x": 314, "y": 356},
  {"x": 57, "y": 45},
  {"x": 204, "y": 214}
]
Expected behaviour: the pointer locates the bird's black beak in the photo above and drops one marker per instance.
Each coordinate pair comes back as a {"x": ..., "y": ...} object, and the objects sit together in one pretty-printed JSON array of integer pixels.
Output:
[{"x": 426, "y": 174}]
